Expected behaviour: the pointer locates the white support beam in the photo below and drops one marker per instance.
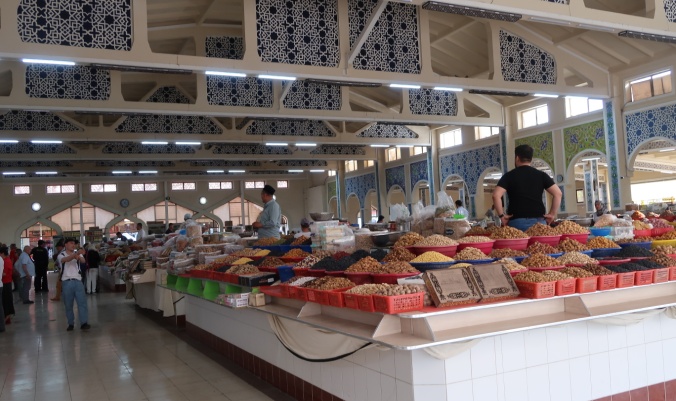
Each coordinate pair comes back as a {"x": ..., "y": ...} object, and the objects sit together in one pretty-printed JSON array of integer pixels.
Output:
[
  {"x": 368, "y": 27},
  {"x": 450, "y": 33},
  {"x": 606, "y": 49},
  {"x": 285, "y": 91}
]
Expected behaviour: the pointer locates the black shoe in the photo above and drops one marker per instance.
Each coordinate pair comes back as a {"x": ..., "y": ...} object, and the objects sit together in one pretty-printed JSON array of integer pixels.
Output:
[
  {"x": 85, "y": 327},
  {"x": 28, "y": 302},
  {"x": 70, "y": 328}
]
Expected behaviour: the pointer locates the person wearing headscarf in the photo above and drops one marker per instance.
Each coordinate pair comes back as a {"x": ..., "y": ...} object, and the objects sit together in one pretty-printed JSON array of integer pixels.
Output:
[{"x": 600, "y": 210}]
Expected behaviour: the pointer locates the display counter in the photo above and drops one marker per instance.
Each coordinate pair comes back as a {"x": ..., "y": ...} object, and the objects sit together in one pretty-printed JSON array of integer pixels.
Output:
[
  {"x": 579, "y": 347},
  {"x": 110, "y": 279},
  {"x": 149, "y": 293}
]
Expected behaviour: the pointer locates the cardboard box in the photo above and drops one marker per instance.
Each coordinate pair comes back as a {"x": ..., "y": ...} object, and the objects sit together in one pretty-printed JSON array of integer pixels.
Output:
[
  {"x": 494, "y": 282},
  {"x": 450, "y": 287},
  {"x": 257, "y": 299},
  {"x": 237, "y": 300}
]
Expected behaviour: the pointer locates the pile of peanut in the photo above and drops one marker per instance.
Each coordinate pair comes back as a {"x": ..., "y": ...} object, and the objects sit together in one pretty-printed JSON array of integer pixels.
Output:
[
  {"x": 539, "y": 260},
  {"x": 431, "y": 257},
  {"x": 539, "y": 247},
  {"x": 541, "y": 230},
  {"x": 243, "y": 269},
  {"x": 436, "y": 240},
  {"x": 663, "y": 260},
  {"x": 667, "y": 236},
  {"x": 506, "y": 253},
  {"x": 399, "y": 255},
  {"x": 575, "y": 258},
  {"x": 555, "y": 275},
  {"x": 329, "y": 283},
  {"x": 271, "y": 262},
  {"x": 570, "y": 227},
  {"x": 384, "y": 289},
  {"x": 365, "y": 265},
  {"x": 470, "y": 253},
  {"x": 665, "y": 249},
  {"x": 571, "y": 245},
  {"x": 531, "y": 277},
  {"x": 408, "y": 239},
  {"x": 296, "y": 253},
  {"x": 397, "y": 268},
  {"x": 477, "y": 230},
  {"x": 601, "y": 243},
  {"x": 507, "y": 232},
  {"x": 473, "y": 239},
  {"x": 577, "y": 272}
]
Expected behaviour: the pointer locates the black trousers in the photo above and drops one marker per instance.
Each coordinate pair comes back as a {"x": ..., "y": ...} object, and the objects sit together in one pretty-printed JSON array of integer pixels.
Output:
[
  {"x": 41, "y": 278},
  {"x": 8, "y": 299}
]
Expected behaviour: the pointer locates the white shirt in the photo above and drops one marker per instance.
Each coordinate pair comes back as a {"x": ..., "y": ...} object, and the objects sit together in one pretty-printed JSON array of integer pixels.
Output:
[
  {"x": 71, "y": 269},
  {"x": 461, "y": 210},
  {"x": 140, "y": 234}
]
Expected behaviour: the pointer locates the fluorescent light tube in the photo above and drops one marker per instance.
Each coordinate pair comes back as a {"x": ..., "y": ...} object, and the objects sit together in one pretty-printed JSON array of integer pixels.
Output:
[
  {"x": 46, "y": 172},
  {"x": 236, "y": 171},
  {"x": 148, "y": 172},
  {"x": 8, "y": 141},
  {"x": 405, "y": 86},
  {"x": 380, "y": 146},
  {"x": 215, "y": 171},
  {"x": 448, "y": 89},
  {"x": 122, "y": 172},
  {"x": 278, "y": 77},
  {"x": 14, "y": 173},
  {"x": 306, "y": 145},
  {"x": 667, "y": 150},
  {"x": 544, "y": 95},
  {"x": 276, "y": 144},
  {"x": 154, "y": 143},
  {"x": 42, "y": 61},
  {"x": 549, "y": 21},
  {"x": 226, "y": 74},
  {"x": 596, "y": 28},
  {"x": 404, "y": 146},
  {"x": 316, "y": 171},
  {"x": 189, "y": 143},
  {"x": 295, "y": 171},
  {"x": 46, "y": 141}
]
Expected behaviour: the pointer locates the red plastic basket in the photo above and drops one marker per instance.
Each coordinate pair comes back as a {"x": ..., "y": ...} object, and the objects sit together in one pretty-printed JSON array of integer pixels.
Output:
[
  {"x": 448, "y": 250},
  {"x": 644, "y": 277},
  {"x": 297, "y": 292},
  {"x": 316, "y": 273},
  {"x": 359, "y": 278},
  {"x": 608, "y": 282},
  {"x": 318, "y": 296},
  {"x": 672, "y": 255},
  {"x": 661, "y": 275},
  {"x": 642, "y": 233},
  {"x": 565, "y": 287},
  {"x": 586, "y": 284},
  {"x": 581, "y": 238},
  {"x": 485, "y": 247},
  {"x": 518, "y": 244},
  {"x": 390, "y": 278},
  {"x": 672, "y": 273},
  {"x": 339, "y": 273},
  {"x": 398, "y": 303},
  {"x": 284, "y": 290},
  {"x": 552, "y": 240},
  {"x": 336, "y": 297},
  {"x": 208, "y": 274},
  {"x": 231, "y": 278},
  {"x": 301, "y": 272},
  {"x": 536, "y": 290},
  {"x": 656, "y": 232},
  {"x": 515, "y": 272},
  {"x": 218, "y": 276},
  {"x": 542, "y": 269},
  {"x": 361, "y": 302},
  {"x": 625, "y": 279}
]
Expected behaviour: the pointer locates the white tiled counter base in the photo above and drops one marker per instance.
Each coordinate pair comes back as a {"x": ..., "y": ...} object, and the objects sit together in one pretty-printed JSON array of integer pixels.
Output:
[{"x": 578, "y": 361}]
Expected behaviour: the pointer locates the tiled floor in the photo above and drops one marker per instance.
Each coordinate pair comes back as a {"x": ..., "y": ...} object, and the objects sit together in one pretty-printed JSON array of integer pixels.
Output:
[{"x": 126, "y": 356}]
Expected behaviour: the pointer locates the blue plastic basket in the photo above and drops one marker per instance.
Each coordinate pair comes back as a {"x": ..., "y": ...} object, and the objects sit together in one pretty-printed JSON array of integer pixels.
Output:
[
  {"x": 477, "y": 262},
  {"x": 432, "y": 265},
  {"x": 285, "y": 273},
  {"x": 646, "y": 245},
  {"x": 600, "y": 231}
]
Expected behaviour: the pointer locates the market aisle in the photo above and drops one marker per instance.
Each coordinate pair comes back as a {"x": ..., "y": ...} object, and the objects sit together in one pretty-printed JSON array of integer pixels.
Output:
[{"x": 126, "y": 356}]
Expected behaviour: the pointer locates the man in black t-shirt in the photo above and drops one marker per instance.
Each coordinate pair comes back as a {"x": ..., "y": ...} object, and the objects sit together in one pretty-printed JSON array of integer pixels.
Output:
[
  {"x": 524, "y": 186},
  {"x": 41, "y": 259}
]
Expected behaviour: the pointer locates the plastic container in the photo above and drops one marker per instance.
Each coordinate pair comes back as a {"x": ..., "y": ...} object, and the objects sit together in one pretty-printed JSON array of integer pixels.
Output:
[
  {"x": 605, "y": 252},
  {"x": 301, "y": 272},
  {"x": 336, "y": 297},
  {"x": 634, "y": 259},
  {"x": 515, "y": 272},
  {"x": 318, "y": 296},
  {"x": 339, "y": 273},
  {"x": 555, "y": 255},
  {"x": 519, "y": 259},
  {"x": 663, "y": 242},
  {"x": 644, "y": 277},
  {"x": 656, "y": 232},
  {"x": 645, "y": 245},
  {"x": 672, "y": 273},
  {"x": 390, "y": 278},
  {"x": 208, "y": 274},
  {"x": 485, "y": 247},
  {"x": 316, "y": 273},
  {"x": 622, "y": 232},
  {"x": 398, "y": 303},
  {"x": 610, "y": 261},
  {"x": 542, "y": 269},
  {"x": 566, "y": 287},
  {"x": 361, "y": 302},
  {"x": 586, "y": 284},
  {"x": 608, "y": 282},
  {"x": 600, "y": 231},
  {"x": 449, "y": 250},
  {"x": 661, "y": 275},
  {"x": 552, "y": 240},
  {"x": 477, "y": 261},
  {"x": 625, "y": 280},
  {"x": 536, "y": 290},
  {"x": 285, "y": 273},
  {"x": 423, "y": 267},
  {"x": 642, "y": 233},
  {"x": 297, "y": 292},
  {"x": 581, "y": 238},
  {"x": 284, "y": 290},
  {"x": 519, "y": 244},
  {"x": 359, "y": 278}
]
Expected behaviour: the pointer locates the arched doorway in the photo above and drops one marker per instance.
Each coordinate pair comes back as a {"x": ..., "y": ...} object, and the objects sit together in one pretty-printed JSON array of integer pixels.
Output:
[
  {"x": 395, "y": 196},
  {"x": 588, "y": 171},
  {"x": 371, "y": 207},
  {"x": 421, "y": 193},
  {"x": 353, "y": 209},
  {"x": 333, "y": 206},
  {"x": 653, "y": 177}
]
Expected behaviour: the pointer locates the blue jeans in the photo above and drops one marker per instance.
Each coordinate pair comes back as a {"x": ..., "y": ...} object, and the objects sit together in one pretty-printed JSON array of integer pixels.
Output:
[
  {"x": 74, "y": 290},
  {"x": 524, "y": 224}
]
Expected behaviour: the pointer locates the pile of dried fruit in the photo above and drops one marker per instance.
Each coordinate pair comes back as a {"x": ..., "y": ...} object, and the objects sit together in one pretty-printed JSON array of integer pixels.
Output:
[
  {"x": 296, "y": 253},
  {"x": 473, "y": 239},
  {"x": 243, "y": 269},
  {"x": 541, "y": 230},
  {"x": 577, "y": 272},
  {"x": 531, "y": 277},
  {"x": 408, "y": 239},
  {"x": 539, "y": 260},
  {"x": 539, "y": 247},
  {"x": 399, "y": 255},
  {"x": 571, "y": 245},
  {"x": 601, "y": 243},
  {"x": 470, "y": 253},
  {"x": 507, "y": 232},
  {"x": 329, "y": 283},
  {"x": 365, "y": 265},
  {"x": 575, "y": 258},
  {"x": 436, "y": 240},
  {"x": 506, "y": 253}
]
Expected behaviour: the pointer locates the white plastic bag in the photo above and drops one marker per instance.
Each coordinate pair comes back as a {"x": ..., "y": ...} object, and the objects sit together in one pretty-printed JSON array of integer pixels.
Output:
[{"x": 445, "y": 206}]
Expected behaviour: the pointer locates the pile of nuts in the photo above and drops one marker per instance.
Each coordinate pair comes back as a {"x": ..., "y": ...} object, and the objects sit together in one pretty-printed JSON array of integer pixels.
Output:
[
  {"x": 639, "y": 225},
  {"x": 321, "y": 253},
  {"x": 399, "y": 255},
  {"x": 297, "y": 281},
  {"x": 660, "y": 223},
  {"x": 507, "y": 232},
  {"x": 597, "y": 270},
  {"x": 601, "y": 243},
  {"x": 365, "y": 265},
  {"x": 302, "y": 240},
  {"x": 225, "y": 260},
  {"x": 632, "y": 240},
  {"x": 575, "y": 258},
  {"x": 307, "y": 262},
  {"x": 436, "y": 240},
  {"x": 431, "y": 257},
  {"x": 539, "y": 247},
  {"x": 511, "y": 265},
  {"x": 541, "y": 230},
  {"x": 249, "y": 252},
  {"x": 262, "y": 252},
  {"x": 384, "y": 289},
  {"x": 664, "y": 260},
  {"x": 665, "y": 249},
  {"x": 570, "y": 227},
  {"x": 296, "y": 253},
  {"x": 473, "y": 239},
  {"x": 577, "y": 272},
  {"x": 365, "y": 289},
  {"x": 243, "y": 269},
  {"x": 408, "y": 239},
  {"x": 478, "y": 230},
  {"x": 506, "y": 253},
  {"x": 470, "y": 253},
  {"x": 539, "y": 260},
  {"x": 667, "y": 236},
  {"x": 266, "y": 241},
  {"x": 571, "y": 245},
  {"x": 329, "y": 283},
  {"x": 397, "y": 268},
  {"x": 633, "y": 251},
  {"x": 555, "y": 275},
  {"x": 531, "y": 277},
  {"x": 242, "y": 261},
  {"x": 271, "y": 262},
  {"x": 363, "y": 241}
]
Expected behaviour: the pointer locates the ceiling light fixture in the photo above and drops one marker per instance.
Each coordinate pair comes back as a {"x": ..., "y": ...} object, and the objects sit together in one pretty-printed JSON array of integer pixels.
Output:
[
  {"x": 667, "y": 150},
  {"x": 215, "y": 171},
  {"x": 497, "y": 93},
  {"x": 549, "y": 21},
  {"x": 128, "y": 68},
  {"x": 226, "y": 74},
  {"x": 545, "y": 95},
  {"x": 306, "y": 145},
  {"x": 8, "y": 141},
  {"x": 344, "y": 83},
  {"x": 14, "y": 173},
  {"x": 447, "y": 89},
  {"x": 596, "y": 28},
  {"x": 122, "y": 172},
  {"x": 647, "y": 36},
  {"x": 148, "y": 172},
  {"x": 189, "y": 143},
  {"x": 405, "y": 86},
  {"x": 588, "y": 159},
  {"x": 471, "y": 11},
  {"x": 43, "y": 61},
  {"x": 380, "y": 146},
  {"x": 277, "y": 77},
  {"x": 236, "y": 171},
  {"x": 317, "y": 171},
  {"x": 154, "y": 143},
  {"x": 276, "y": 144},
  {"x": 46, "y": 173},
  {"x": 46, "y": 142},
  {"x": 295, "y": 171},
  {"x": 404, "y": 146}
]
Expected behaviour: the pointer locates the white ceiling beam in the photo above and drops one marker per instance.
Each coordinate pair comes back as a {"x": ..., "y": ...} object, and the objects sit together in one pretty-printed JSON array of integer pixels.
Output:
[
  {"x": 450, "y": 33},
  {"x": 635, "y": 45},
  {"x": 369, "y": 103},
  {"x": 368, "y": 27},
  {"x": 606, "y": 49}
]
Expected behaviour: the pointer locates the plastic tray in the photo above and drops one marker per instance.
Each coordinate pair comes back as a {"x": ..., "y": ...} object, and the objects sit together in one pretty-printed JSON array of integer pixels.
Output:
[
  {"x": 605, "y": 252},
  {"x": 599, "y": 231},
  {"x": 664, "y": 242},
  {"x": 645, "y": 245},
  {"x": 656, "y": 232},
  {"x": 542, "y": 269},
  {"x": 642, "y": 233},
  {"x": 566, "y": 287},
  {"x": 477, "y": 261},
  {"x": 298, "y": 292},
  {"x": 338, "y": 273},
  {"x": 322, "y": 297},
  {"x": 519, "y": 244},
  {"x": 316, "y": 273},
  {"x": 485, "y": 247},
  {"x": 390, "y": 278},
  {"x": 301, "y": 272},
  {"x": 634, "y": 259},
  {"x": 361, "y": 302},
  {"x": 536, "y": 290},
  {"x": 359, "y": 278},
  {"x": 449, "y": 250},
  {"x": 582, "y": 238},
  {"x": 519, "y": 259},
  {"x": 398, "y": 303},
  {"x": 336, "y": 298},
  {"x": 644, "y": 277},
  {"x": 610, "y": 261},
  {"x": 284, "y": 290},
  {"x": 608, "y": 282},
  {"x": 432, "y": 265},
  {"x": 552, "y": 240},
  {"x": 625, "y": 279},
  {"x": 661, "y": 275},
  {"x": 208, "y": 274},
  {"x": 586, "y": 284},
  {"x": 672, "y": 273}
]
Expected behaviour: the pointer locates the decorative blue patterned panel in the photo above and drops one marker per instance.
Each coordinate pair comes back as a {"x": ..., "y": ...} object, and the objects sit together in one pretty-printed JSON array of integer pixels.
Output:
[
  {"x": 393, "y": 42},
  {"x": 650, "y": 124},
  {"x": 168, "y": 94},
  {"x": 137, "y": 148},
  {"x": 388, "y": 131},
  {"x": 244, "y": 92},
  {"x": 298, "y": 32},
  {"x": 230, "y": 47},
  {"x": 135, "y": 163},
  {"x": 79, "y": 23},
  {"x": 418, "y": 172},
  {"x": 250, "y": 149},
  {"x": 302, "y": 163},
  {"x": 289, "y": 128},
  {"x": 21, "y": 120},
  {"x": 22, "y": 163},
  {"x": 314, "y": 96},
  {"x": 432, "y": 102},
  {"x": 670, "y": 10},
  {"x": 356, "y": 150},
  {"x": 360, "y": 186},
  {"x": 563, "y": 198},
  {"x": 33, "y": 148},
  {"x": 613, "y": 161},
  {"x": 168, "y": 124},
  {"x": 224, "y": 163},
  {"x": 67, "y": 82},
  {"x": 395, "y": 176},
  {"x": 471, "y": 164},
  {"x": 522, "y": 62}
]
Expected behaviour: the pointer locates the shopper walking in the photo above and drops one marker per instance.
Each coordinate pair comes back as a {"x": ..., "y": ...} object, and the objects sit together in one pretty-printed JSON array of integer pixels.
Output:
[
  {"x": 27, "y": 271},
  {"x": 93, "y": 261},
  {"x": 57, "y": 268},
  {"x": 40, "y": 257},
  {"x": 7, "y": 298},
  {"x": 71, "y": 283},
  {"x": 14, "y": 256}
]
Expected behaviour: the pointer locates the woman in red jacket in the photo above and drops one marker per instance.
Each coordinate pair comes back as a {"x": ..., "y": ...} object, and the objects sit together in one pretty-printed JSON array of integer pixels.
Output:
[{"x": 7, "y": 297}]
